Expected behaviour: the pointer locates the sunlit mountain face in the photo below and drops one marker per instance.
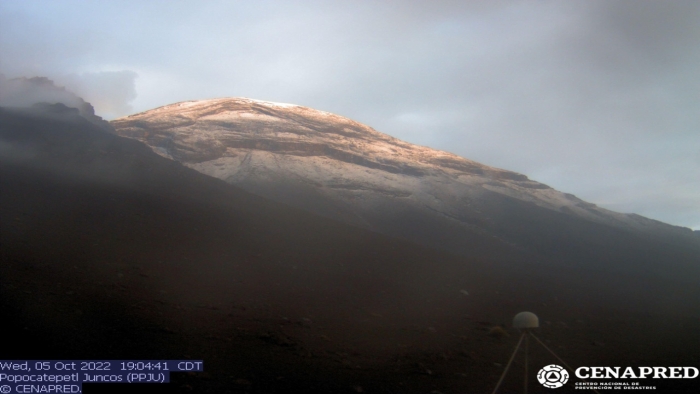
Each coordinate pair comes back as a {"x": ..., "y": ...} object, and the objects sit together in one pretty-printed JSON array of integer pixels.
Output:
[
  {"x": 341, "y": 169},
  {"x": 332, "y": 259}
]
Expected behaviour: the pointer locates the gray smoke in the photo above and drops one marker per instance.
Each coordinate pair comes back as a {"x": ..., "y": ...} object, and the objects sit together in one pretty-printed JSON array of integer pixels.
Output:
[
  {"x": 28, "y": 92},
  {"x": 110, "y": 92}
]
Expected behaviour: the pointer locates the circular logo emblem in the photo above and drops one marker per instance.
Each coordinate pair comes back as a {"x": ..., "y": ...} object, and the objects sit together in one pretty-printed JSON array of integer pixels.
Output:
[{"x": 553, "y": 376}]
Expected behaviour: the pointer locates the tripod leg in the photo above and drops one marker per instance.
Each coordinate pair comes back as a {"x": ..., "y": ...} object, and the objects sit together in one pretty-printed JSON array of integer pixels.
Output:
[
  {"x": 505, "y": 371},
  {"x": 526, "y": 350},
  {"x": 557, "y": 357}
]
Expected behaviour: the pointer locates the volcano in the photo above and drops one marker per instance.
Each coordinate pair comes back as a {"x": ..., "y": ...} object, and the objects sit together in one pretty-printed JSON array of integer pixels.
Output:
[{"x": 344, "y": 170}]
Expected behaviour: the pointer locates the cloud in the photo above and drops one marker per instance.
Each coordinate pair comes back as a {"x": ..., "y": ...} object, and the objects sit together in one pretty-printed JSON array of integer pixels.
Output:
[
  {"x": 110, "y": 92},
  {"x": 26, "y": 92},
  {"x": 64, "y": 42}
]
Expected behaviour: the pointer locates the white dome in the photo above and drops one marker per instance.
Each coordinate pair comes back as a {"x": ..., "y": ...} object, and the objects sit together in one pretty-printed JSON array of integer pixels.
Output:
[{"x": 526, "y": 320}]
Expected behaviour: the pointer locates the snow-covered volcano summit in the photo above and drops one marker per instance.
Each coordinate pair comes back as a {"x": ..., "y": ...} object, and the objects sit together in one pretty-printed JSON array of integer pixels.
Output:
[
  {"x": 211, "y": 128},
  {"x": 345, "y": 170}
]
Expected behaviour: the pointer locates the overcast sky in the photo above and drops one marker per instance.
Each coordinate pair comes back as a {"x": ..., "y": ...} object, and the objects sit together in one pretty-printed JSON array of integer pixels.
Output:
[{"x": 596, "y": 98}]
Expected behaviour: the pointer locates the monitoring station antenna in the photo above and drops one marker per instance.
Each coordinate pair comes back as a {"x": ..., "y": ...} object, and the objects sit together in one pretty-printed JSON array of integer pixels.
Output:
[{"x": 526, "y": 322}]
